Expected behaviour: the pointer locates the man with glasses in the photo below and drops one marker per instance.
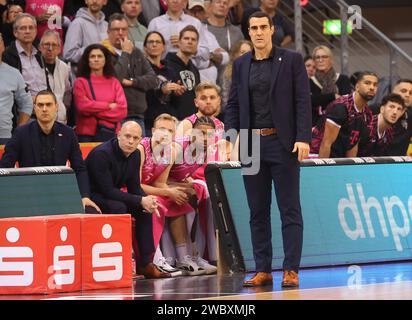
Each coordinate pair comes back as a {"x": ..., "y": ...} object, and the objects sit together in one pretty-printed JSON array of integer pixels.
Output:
[
  {"x": 12, "y": 89},
  {"x": 132, "y": 69},
  {"x": 269, "y": 98},
  {"x": 24, "y": 56},
  {"x": 57, "y": 72}
]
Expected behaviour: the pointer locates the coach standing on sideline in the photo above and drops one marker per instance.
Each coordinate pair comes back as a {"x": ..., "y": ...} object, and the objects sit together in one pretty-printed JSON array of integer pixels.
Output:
[{"x": 270, "y": 97}]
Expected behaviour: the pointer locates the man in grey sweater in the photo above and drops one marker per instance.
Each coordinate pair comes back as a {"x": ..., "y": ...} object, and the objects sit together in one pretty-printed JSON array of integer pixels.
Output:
[
  {"x": 12, "y": 89},
  {"x": 87, "y": 28}
]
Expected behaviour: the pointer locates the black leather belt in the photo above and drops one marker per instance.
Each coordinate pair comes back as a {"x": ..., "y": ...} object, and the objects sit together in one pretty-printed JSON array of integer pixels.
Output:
[{"x": 265, "y": 131}]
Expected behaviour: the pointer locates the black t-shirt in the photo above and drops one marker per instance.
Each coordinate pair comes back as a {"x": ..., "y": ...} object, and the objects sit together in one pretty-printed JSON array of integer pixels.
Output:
[
  {"x": 350, "y": 132},
  {"x": 375, "y": 145},
  {"x": 402, "y": 133}
]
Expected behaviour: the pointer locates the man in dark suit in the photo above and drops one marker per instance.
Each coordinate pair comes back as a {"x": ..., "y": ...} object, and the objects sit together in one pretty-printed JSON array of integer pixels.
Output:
[
  {"x": 270, "y": 99},
  {"x": 46, "y": 142}
]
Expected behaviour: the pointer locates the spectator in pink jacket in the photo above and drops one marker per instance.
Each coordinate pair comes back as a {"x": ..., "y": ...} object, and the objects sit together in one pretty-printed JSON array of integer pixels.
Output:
[{"x": 99, "y": 97}]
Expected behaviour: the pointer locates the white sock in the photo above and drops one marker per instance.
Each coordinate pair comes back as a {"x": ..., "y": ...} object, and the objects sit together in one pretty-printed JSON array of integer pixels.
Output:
[
  {"x": 158, "y": 254},
  {"x": 181, "y": 251}
]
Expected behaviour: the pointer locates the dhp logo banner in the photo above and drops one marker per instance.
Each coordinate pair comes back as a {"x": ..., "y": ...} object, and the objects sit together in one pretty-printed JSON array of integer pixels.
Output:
[{"x": 352, "y": 214}]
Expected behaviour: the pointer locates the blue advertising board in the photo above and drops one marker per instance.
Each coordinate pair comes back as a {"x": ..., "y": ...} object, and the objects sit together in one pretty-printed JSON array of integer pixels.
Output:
[{"x": 352, "y": 214}]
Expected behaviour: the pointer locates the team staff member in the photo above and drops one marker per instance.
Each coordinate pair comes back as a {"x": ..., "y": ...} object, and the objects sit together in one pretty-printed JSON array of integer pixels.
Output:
[
  {"x": 270, "y": 97},
  {"x": 46, "y": 142}
]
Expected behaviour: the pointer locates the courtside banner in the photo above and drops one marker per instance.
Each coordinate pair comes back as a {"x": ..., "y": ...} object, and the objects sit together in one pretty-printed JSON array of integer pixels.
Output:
[{"x": 354, "y": 210}]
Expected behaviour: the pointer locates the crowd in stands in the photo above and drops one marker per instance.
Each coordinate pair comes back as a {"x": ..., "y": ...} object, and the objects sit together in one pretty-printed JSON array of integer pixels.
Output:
[{"x": 139, "y": 76}]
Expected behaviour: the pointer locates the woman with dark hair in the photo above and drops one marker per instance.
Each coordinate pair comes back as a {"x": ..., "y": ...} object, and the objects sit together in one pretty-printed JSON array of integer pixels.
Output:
[
  {"x": 99, "y": 96},
  {"x": 310, "y": 66},
  {"x": 159, "y": 100}
]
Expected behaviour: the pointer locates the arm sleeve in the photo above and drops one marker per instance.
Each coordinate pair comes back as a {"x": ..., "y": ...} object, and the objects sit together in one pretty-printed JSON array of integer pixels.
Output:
[
  {"x": 73, "y": 49},
  {"x": 232, "y": 108},
  {"x": 12, "y": 151},
  {"x": 302, "y": 100},
  {"x": 84, "y": 103},
  {"x": 148, "y": 79},
  {"x": 338, "y": 114},
  {"x": 79, "y": 167},
  {"x": 23, "y": 98},
  {"x": 120, "y": 112},
  {"x": 99, "y": 168}
]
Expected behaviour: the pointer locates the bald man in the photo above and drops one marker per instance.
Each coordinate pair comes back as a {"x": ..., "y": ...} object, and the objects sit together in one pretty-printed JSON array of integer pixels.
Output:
[{"x": 113, "y": 165}]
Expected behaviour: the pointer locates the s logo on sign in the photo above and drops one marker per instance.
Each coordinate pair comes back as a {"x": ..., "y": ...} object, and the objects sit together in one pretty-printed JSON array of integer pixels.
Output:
[
  {"x": 16, "y": 263},
  {"x": 107, "y": 261}
]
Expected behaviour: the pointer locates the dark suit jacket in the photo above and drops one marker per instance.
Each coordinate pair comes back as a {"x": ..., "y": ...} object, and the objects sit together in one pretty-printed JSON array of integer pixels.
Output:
[
  {"x": 24, "y": 147},
  {"x": 289, "y": 97}
]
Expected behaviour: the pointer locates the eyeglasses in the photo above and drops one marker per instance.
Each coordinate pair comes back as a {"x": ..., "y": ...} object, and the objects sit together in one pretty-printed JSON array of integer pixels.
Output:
[
  {"x": 50, "y": 45},
  {"x": 152, "y": 42},
  {"x": 321, "y": 57}
]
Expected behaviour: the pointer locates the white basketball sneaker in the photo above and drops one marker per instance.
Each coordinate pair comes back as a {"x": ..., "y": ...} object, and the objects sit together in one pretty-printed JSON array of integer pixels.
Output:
[
  {"x": 204, "y": 264},
  {"x": 189, "y": 266},
  {"x": 165, "y": 265}
]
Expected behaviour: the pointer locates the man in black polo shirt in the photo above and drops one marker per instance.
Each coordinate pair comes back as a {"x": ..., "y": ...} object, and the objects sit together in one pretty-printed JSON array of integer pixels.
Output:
[
  {"x": 112, "y": 166},
  {"x": 46, "y": 142}
]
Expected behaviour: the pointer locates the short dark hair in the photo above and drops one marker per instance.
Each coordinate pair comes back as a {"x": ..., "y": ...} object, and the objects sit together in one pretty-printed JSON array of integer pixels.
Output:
[
  {"x": 363, "y": 74},
  {"x": 393, "y": 97},
  {"x": 308, "y": 57},
  {"x": 354, "y": 78},
  {"x": 188, "y": 28},
  {"x": 260, "y": 14},
  {"x": 83, "y": 69},
  {"x": 403, "y": 81},
  {"x": 45, "y": 93},
  {"x": 153, "y": 32},
  {"x": 115, "y": 17}
]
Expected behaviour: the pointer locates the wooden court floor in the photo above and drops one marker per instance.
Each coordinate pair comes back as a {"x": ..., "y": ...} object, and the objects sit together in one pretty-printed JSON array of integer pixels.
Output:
[{"x": 358, "y": 282}]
